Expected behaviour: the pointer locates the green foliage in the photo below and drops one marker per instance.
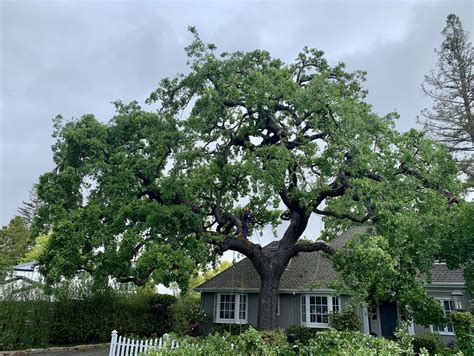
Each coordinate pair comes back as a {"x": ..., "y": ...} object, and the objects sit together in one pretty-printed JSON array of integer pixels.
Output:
[
  {"x": 232, "y": 329},
  {"x": 431, "y": 343},
  {"x": 39, "y": 322},
  {"x": 344, "y": 321},
  {"x": 463, "y": 327},
  {"x": 38, "y": 248},
  {"x": 333, "y": 342},
  {"x": 160, "y": 194},
  {"x": 302, "y": 333},
  {"x": 14, "y": 240},
  {"x": 252, "y": 342},
  {"x": 186, "y": 311},
  {"x": 373, "y": 270},
  {"x": 458, "y": 245},
  {"x": 206, "y": 274}
]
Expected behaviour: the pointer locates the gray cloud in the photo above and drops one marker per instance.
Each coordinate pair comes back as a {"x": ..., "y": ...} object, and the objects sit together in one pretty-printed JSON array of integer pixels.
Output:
[{"x": 74, "y": 58}]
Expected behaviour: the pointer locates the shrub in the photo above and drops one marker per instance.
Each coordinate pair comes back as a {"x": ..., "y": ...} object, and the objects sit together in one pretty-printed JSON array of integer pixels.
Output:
[
  {"x": 344, "y": 321},
  {"x": 333, "y": 342},
  {"x": 430, "y": 342},
  {"x": 39, "y": 322},
  {"x": 252, "y": 342},
  {"x": 462, "y": 327},
  {"x": 302, "y": 333},
  {"x": 232, "y": 329},
  {"x": 186, "y": 311}
]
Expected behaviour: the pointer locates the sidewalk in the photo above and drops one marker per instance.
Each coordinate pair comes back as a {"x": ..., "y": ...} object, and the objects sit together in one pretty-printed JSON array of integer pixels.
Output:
[{"x": 84, "y": 350}]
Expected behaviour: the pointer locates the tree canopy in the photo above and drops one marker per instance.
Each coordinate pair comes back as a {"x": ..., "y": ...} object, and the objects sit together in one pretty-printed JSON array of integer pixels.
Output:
[
  {"x": 451, "y": 86},
  {"x": 14, "y": 240},
  {"x": 155, "y": 194}
]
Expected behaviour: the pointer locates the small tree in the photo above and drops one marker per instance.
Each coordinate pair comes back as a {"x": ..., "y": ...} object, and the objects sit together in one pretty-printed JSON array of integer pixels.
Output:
[
  {"x": 451, "y": 86},
  {"x": 13, "y": 244},
  {"x": 161, "y": 194}
]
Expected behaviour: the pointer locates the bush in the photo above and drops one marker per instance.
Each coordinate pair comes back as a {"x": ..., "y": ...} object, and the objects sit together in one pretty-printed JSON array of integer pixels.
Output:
[
  {"x": 186, "y": 311},
  {"x": 430, "y": 342},
  {"x": 252, "y": 342},
  {"x": 38, "y": 322},
  {"x": 344, "y": 321},
  {"x": 302, "y": 333},
  {"x": 232, "y": 329},
  {"x": 335, "y": 342},
  {"x": 462, "y": 327}
]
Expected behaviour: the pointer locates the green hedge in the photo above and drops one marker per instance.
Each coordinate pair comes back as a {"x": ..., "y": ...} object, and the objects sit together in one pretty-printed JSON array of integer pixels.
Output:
[{"x": 41, "y": 323}]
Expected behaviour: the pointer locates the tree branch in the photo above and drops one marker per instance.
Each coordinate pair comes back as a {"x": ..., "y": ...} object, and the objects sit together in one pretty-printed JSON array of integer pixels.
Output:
[{"x": 312, "y": 247}]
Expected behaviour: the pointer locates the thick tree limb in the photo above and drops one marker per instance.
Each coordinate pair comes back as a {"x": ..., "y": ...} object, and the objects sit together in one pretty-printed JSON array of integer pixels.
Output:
[
  {"x": 312, "y": 247},
  {"x": 353, "y": 218}
]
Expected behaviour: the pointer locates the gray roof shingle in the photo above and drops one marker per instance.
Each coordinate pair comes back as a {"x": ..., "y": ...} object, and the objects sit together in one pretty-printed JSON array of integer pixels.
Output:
[{"x": 305, "y": 271}]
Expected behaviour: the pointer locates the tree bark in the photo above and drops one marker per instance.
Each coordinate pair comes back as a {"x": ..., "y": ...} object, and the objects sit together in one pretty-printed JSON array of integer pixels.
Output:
[{"x": 267, "y": 301}]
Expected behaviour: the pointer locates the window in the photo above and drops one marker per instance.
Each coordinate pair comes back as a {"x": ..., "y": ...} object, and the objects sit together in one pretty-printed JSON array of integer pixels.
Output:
[
  {"x": 448, "y": 328},
  {"x": 230, "y": 308},
  {"x": 315, "y": 309},
  {"x": 278, "y": 305}
]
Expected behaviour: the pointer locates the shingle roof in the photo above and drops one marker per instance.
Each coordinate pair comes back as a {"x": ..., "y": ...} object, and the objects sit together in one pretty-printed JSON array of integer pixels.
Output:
[
  {"x": 306, "y": 271},
  {"x": 28, "y": 266},
  {"x": 441, "y": 274}
]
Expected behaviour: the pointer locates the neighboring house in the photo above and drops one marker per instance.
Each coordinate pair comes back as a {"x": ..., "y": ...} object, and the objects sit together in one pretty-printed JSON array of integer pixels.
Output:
[
  {"x": 23, "y": 277},
  {"x": 306, "y": 298}
]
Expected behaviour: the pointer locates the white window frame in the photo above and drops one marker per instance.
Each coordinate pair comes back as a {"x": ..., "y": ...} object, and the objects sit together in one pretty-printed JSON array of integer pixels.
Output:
[
  {"x": 278, "y": 305},
  {"x": 445, "y": 330},
  {"x": 330, "y": 305},
  {"x": 236, "y": 319}
]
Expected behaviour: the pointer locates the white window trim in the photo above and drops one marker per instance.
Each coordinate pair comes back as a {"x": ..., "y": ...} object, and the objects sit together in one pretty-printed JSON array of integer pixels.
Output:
[
  {"x": 307, "y": 309},
  {"x": 236, "y": 319},
  {"x": 445, "y": 329},
  {"x": 278, "y": 305}
]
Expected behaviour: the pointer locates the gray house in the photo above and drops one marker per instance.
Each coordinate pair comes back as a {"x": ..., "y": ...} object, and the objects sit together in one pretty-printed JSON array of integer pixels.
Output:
[{"x": 305, "y": 295}]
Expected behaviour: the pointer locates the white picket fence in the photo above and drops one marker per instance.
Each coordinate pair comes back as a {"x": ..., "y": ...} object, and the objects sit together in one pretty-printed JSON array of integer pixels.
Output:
[{"x": 122, "y": 346}]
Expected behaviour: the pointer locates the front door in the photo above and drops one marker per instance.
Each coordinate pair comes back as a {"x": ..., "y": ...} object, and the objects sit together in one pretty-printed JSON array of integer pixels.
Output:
[{"x": 388, "y": 318}]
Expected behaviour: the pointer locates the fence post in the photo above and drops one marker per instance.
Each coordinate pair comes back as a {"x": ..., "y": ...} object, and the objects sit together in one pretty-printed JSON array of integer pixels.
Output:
[{"x": 113, "y": 343}]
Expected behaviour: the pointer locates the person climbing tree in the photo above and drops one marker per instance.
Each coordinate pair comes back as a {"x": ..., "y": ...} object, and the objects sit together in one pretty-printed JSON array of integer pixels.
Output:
[{"x": 245, "y": 222}]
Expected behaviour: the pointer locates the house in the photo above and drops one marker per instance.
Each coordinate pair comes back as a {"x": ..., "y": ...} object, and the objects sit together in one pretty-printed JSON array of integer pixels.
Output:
[
  {"x": 23, "y": 277},
  {"x": 305, "y": 295}
]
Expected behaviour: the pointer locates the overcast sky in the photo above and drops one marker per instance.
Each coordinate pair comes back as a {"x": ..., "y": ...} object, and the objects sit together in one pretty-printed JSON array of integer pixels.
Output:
[{"x": 75, "y": 57}]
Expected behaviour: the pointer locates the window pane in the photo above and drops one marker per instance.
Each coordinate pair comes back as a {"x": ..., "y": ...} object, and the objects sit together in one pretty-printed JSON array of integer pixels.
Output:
[
  {"x": 335, "y": 304},
  {"x": 318, "y": 309},
  {"x": 303, "y": 308},
  {"x": 243, "y": 307},
  {"x": 227, "y": 306}
]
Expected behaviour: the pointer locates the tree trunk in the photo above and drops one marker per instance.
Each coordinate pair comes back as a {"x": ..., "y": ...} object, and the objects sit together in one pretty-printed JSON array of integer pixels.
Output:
[{"x": 267, "y": 301}]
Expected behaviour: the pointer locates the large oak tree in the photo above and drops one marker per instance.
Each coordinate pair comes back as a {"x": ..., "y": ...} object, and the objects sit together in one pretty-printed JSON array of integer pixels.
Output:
[{"x": 155, "y": 194}]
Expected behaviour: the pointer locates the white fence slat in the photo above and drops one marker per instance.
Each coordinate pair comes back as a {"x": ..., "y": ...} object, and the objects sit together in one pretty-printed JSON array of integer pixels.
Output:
[
  {"x": 134, "y": 351},
  {"x": 127, "y": 345},
  {"x": 123, "y": 346},
  {"x": 119, "y": 346},
  {"x": 113, "y": 343}
]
